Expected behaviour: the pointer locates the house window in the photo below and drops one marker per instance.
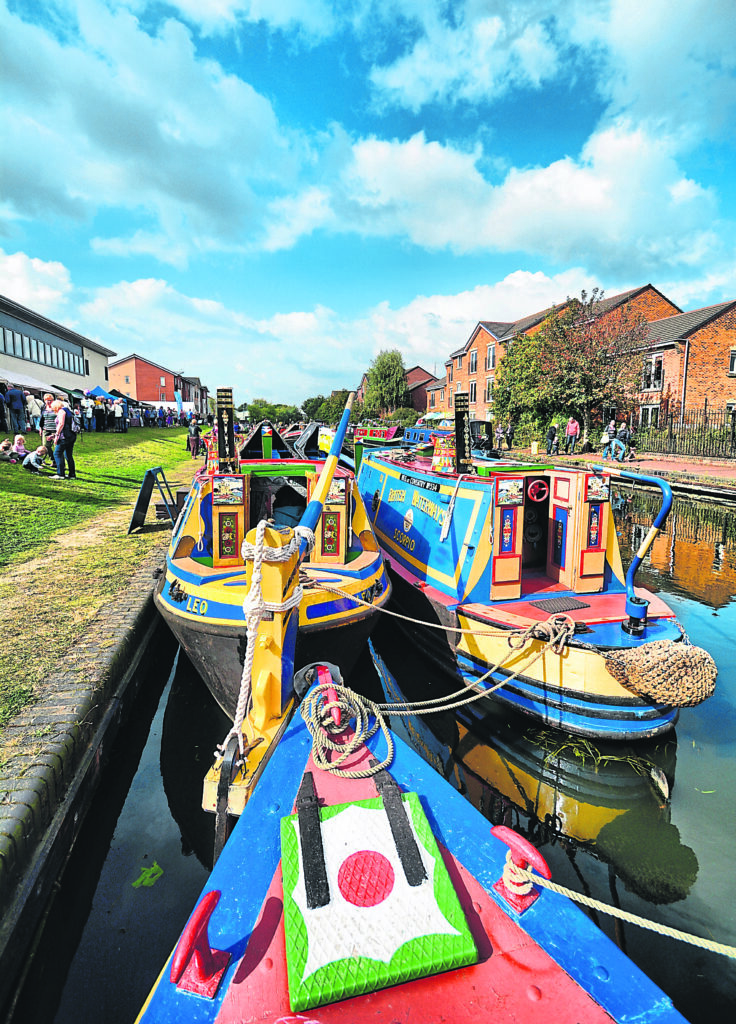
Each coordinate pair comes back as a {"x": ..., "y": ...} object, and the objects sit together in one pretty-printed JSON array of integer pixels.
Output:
[
  {"x": 449, "y": 399},
  {"x": 26, "y": 347},
  {"x": 162, "y": 381},
  {"x": 489, "y": 389},
  {"x": 431, "y": 400},
  {"x": 649, "y": 416},
  {"x": 127, "y": 380},
  {"x": 449, "y": 372},
  {"x": 460, "y": 362},
  {"x": 442, "y": 395},
  {"x": 471, "y": 392},
  {"x": 491, "y": 357},
  {"x": 732, "y": 361},
  {"x": 473, "y": 361},
  {"x": 653, "y": 377}
]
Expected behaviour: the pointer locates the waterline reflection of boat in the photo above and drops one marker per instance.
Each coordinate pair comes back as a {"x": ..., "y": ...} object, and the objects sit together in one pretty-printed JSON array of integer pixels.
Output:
[{"x": 608, "y": 800}]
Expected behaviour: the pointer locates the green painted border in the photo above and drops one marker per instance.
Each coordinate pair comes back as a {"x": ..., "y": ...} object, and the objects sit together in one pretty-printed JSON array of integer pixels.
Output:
[{"x": 416, "y": 958}]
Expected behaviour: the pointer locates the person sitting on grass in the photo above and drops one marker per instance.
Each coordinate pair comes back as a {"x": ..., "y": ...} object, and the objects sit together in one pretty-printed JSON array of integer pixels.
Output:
[
  {"x": 19, "y": 447},
  {"x": 34, "y": 461},
  {"x": 6, "y": 451}
]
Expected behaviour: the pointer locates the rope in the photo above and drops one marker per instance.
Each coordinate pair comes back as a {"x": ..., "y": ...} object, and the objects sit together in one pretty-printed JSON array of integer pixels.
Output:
[
  {"x": 254, "y": 608},
  {"x": 327, "y": 736},
  {"x": 624, "y": 915}
]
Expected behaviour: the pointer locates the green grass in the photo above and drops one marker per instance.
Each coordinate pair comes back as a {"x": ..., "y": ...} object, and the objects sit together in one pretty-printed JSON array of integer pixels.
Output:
[{"x": 110, "y": 470}]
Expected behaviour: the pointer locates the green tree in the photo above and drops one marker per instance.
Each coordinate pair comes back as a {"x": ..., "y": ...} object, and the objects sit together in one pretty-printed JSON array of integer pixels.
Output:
[
  {"x": 310, "y": 406},
  {"x": 386, "y": 389},
  {"x": 589, "y": 357},
  {"x": 517, "y": 387}
]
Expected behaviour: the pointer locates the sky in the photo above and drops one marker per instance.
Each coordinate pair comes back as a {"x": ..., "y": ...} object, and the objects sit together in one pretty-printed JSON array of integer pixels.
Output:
[{"x": 265, "y": 194}]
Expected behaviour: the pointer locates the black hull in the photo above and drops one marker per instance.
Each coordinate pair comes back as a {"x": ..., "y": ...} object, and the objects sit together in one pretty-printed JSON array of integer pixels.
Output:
[{"x": 218, "y": 652}]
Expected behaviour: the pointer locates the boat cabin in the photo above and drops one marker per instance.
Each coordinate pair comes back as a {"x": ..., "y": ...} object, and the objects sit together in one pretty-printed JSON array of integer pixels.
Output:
[{"x": 225, "y": 506}]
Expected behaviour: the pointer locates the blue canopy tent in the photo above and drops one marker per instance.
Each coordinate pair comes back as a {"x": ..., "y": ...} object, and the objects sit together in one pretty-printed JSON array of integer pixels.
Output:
[{"x": 98, "y": 392}]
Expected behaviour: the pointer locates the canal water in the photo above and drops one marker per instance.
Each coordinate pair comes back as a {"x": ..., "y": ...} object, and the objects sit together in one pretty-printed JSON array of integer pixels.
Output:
[{"x": 649, "y": 827}]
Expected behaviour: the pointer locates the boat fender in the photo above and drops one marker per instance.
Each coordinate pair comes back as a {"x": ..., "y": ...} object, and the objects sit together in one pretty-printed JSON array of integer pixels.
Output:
[{"x": 666, "y": 671}]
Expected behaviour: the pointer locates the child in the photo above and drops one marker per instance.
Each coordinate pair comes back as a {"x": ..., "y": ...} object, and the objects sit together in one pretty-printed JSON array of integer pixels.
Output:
[
  {"x": 34, "y": 461},
  {"x": 6, "y": 451},
  {"x": 19, "y": 447}
]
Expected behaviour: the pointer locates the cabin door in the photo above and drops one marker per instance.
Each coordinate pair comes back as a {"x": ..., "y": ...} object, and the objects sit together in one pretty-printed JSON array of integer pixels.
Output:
[{"x": 562, "y": 528}]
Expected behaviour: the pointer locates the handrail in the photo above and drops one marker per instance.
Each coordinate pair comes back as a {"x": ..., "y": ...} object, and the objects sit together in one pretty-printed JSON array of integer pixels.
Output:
[{"x": 636, "y": 607}]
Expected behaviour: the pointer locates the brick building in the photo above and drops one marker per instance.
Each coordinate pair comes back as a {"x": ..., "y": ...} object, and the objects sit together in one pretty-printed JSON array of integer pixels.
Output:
[
  {"x": 690, "y": 362},
  {"x": 472, "y": 368},
  {"x": 145, "y": 381},
  {"x": 418, "y": 380}
]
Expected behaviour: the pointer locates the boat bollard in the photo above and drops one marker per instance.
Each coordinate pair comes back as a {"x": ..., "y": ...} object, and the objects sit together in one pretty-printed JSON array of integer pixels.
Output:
[
  {"x": 519, "y": 893},
  {"x": 195, "y": 966}
]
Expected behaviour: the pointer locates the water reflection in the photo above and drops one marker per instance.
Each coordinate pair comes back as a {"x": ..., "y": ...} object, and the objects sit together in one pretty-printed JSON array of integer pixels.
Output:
[{"x": 695, "y": 554}]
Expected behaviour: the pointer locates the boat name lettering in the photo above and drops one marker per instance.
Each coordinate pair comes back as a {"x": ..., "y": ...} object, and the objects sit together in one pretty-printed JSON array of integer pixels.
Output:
[
  {"x": 401, "y": 538},
  {"x": 197, "y": 604},
  {"x": 431, "y": 508},
  {"x": 396, "y": 495},
  {"x": 426, "y": 485}
]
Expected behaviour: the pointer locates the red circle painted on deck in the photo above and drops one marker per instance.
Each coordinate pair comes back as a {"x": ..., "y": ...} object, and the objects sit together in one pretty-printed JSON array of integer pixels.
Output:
[{"x": 365, "y": 878}]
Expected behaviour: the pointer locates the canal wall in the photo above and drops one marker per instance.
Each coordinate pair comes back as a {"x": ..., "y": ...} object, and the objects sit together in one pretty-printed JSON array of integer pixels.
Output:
[{"x": 56, "y": 750}]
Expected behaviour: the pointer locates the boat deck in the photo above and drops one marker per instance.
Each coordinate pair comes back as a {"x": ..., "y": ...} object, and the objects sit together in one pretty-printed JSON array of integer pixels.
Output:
[{"x": 590, "y": 609}]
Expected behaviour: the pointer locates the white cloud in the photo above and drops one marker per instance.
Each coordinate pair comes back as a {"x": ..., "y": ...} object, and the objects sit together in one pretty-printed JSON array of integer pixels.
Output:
[
  {"x": 313, "y": 19},
  {"x": 39, "y": 285}
]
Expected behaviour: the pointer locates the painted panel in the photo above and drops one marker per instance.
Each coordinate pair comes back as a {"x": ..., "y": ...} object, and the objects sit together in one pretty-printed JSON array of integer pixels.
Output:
[
  {"x": 592, "y": 563},
  {"x": 507, "y": 569},
  {"x": 559, "y": 537},
  {"x": 508, "y": 524},
  {"x": 595, "y": 533},
  {"x": 561, "y": 490},
  {"x": 597, "y": 488}
]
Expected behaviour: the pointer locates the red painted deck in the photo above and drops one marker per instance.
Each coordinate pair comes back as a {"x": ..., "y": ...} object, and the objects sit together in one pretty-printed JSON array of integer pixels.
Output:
[
  {"x": 601, "y": 608},
  {"x": 513, "y": 982}
]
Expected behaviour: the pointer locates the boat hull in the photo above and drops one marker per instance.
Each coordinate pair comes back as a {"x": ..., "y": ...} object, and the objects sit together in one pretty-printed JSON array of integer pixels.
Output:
[
  {"x": 618, "y": 714},
  {"x": 478, "y": 559},
  {"x": 218, "y": 652}
]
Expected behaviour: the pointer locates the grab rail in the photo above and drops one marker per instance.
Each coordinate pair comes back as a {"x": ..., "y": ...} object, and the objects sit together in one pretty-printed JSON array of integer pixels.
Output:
[{"x": 636, "y": 607}]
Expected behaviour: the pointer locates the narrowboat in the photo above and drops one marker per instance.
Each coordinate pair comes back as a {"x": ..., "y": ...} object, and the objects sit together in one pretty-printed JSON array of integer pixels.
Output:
[
  {"x": 358, "y": 886},
  {"x": 205, "y": 592},
  {"x": 509, "y": 574},
  {"x": 378, "y": 437}
]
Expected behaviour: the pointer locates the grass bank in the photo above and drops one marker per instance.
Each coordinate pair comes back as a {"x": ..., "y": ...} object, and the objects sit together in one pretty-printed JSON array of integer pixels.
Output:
[{"x": 65, "y": 549}]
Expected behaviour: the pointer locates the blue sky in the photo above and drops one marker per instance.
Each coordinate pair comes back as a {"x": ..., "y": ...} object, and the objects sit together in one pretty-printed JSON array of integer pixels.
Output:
[{"x": 266, "y": 193}]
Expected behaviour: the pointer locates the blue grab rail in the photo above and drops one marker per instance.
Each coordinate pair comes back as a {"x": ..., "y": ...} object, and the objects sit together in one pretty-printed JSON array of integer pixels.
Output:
[{"x": 636, "y": 607}]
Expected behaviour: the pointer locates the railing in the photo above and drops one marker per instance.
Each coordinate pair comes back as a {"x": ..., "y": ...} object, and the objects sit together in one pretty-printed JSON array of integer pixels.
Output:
[{"x": 710, "y": 433}]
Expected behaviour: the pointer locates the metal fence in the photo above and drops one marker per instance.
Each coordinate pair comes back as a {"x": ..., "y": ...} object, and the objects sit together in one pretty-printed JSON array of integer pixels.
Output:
[{"x": 710, "y": 433}]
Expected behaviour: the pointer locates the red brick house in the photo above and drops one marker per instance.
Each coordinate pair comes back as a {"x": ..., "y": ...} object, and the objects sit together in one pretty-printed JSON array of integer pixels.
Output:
[
  {"x": 145, "y": 381},
  {"x": 690, "y": 362},
  {"x": 473, "y": 367},
  {"x": 418, "y": 380}
]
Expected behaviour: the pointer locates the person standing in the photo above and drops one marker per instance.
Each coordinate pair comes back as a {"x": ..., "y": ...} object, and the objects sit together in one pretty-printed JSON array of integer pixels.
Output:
[
  {"x": 552, "y": 442},
  {"x": 33, "y": 408},
  {"x": 499, "y": 436},
  {"x": 572, "y": 432},
  {"x": 64, "y": 439},
  {"x": 194, "y": 436},
  {"x": 623, "y": 439},
  {"x": 510, "y": 430},
  {"x": 118, "y": 411},
  {"x": 16, "y": 403},
  {"x": 47, "y": 428}
]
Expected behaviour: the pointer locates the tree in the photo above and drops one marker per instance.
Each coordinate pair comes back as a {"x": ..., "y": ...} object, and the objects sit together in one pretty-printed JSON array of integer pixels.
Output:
[
  {"x": 516, "y": 392},
  {"x": 386, "y": 387},
  {"x": 311, "y": 405},
  {"x": 589, "y": 357}
]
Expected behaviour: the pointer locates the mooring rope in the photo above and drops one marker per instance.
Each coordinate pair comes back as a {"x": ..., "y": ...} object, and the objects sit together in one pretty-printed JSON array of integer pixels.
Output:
[
  {"x": 523, "y": 874},
  {"x": 254, "y": 608},
  {"x": 327, "y": 735}
]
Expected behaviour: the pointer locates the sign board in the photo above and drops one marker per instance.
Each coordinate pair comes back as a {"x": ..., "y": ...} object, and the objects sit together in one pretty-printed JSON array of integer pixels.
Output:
[
  {"x": 463, "y": 440},
  {"x": 227, "y": 456},
  {"x": 153, "y": 476}
]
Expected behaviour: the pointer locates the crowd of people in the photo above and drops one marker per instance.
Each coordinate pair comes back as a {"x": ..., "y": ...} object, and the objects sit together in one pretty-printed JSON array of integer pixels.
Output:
[
  {"x": 616, "y": 442},
  {"x": 59, "y": 424}
]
